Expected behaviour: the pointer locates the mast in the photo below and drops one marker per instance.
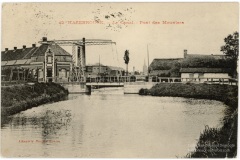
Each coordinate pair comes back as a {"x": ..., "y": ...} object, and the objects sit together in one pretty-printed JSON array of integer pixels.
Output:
[
  {"x": 99, "y": 65},
  {"x": 148, "y": 62}
]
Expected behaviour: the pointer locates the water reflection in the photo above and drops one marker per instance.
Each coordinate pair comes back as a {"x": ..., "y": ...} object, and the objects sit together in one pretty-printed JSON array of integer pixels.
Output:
[
  {"x": 50, "y": 121},
  {"x": 53, "y": 121}
]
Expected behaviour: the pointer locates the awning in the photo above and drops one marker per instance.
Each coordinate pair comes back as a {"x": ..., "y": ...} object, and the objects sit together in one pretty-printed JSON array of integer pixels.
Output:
[
  {"x": 28, "y": 61},
  {"x": 9, "y": 63},
  {"x": 36, "y": 63},
  {"x": 3, "y": 63},
  {"x": 64, "y": 63},
  {"x": 6, "y": 67},
  {"x": 21, "y": 61},
  {"x": 63, "y": 67},
  {"x": 31, "y": 67}
]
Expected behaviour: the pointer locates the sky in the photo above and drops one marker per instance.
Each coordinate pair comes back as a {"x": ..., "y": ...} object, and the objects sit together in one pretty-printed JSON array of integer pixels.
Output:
[{"x": 201, "y": 28}]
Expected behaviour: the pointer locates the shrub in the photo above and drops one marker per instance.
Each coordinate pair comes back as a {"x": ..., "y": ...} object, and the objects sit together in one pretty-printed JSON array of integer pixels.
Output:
[{"x": 19, "y": 98}]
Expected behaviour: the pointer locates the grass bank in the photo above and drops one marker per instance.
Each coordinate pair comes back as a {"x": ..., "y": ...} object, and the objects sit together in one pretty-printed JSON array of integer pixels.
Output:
[
  {"x": 15, "y": 99},
  {"x": 213, "y": 142}
]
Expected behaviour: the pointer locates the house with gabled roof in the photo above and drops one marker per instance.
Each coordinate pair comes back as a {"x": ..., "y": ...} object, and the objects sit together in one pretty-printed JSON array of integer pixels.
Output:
[
  {"x": 206, "y": 68},
  {"x": 197, "y": 68}
]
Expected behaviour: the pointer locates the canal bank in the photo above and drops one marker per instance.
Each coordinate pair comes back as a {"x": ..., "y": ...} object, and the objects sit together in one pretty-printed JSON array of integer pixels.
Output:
[
  {"x": 22, "y": 97},
  {"x": 213, "y": 142}
]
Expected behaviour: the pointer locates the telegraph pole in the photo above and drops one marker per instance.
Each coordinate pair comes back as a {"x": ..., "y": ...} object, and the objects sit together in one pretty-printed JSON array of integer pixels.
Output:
[
  {"x": 148, "y": 62},
  {"x": 99, "y": 66}
]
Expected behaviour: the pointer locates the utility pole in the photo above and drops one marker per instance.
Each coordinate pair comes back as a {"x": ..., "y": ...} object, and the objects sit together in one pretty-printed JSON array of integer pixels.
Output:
[
  {"x": 99, "y": 66},
  {"x": 148, "y": 62}
]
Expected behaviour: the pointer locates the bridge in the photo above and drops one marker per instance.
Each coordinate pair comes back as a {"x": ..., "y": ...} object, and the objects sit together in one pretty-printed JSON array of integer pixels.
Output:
[
  {"x": 78, "y": 67},
  {"x": 132, "y": 85}
]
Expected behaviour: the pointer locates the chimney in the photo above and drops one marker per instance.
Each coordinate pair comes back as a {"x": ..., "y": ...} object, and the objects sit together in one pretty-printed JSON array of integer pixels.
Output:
[
  {"x": 33, "y": 45},
  {"x": 24, "y": 46},
  {"x": 6, "y": 49},
  {"x": 44, "y": 39},
  {"x": 15, "y": 48},
  {"x": 185, "y": 53}
]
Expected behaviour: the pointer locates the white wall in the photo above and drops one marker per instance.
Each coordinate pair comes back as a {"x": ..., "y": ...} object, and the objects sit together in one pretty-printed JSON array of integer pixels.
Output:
[
  {"x": 205, "y": 75},
  {"x": 184, "y": 75},
  {"x": 216, "y": 75},
  {"x": 40, "y": 73}
]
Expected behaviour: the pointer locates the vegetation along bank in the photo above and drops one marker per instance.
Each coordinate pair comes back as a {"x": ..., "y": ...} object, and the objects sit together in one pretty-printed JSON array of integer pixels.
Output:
[
  {"x": 213, "y": 142},
  {"x": 19, "y": 98}
]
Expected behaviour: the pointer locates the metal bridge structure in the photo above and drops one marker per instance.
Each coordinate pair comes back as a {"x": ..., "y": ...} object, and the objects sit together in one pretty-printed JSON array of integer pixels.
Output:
[{"x": 78, "y": 68}]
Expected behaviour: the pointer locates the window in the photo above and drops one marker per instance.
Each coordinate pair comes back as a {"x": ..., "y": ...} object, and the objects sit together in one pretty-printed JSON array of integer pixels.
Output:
[
  {"x": 200, "y": 75},
  {"x": 62, "y": 73},
  {"x": 89, "y": 69},
  {"x": 190, "y": 75},
  {"x": 49, "y": 59}
]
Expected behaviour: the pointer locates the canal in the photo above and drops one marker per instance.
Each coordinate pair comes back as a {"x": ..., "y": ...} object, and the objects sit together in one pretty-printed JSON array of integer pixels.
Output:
[{"x": 110, "y": 124}]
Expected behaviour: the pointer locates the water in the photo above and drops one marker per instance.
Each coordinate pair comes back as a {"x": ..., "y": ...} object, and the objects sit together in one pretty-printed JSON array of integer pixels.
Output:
[{"x": 110, "y": 125}]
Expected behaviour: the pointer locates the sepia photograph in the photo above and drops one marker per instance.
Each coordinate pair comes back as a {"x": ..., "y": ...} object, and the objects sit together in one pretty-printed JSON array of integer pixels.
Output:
[{"x": 119, "y": 79}]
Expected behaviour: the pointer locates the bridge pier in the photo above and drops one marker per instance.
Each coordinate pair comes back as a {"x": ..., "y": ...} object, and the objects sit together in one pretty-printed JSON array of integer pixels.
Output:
[{"x": 88, "y": 89}]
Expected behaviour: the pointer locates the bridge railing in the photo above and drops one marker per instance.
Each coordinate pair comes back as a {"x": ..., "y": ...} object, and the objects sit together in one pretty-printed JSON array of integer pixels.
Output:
[
  {"x": 229, "y": 81},
  {"x": 124, "y": 79},
  {"x": 109, "y": 79}
]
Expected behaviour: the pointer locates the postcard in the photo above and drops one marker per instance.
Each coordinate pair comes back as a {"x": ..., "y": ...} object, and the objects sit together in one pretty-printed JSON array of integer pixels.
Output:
[{"x": 119, "y": 80}]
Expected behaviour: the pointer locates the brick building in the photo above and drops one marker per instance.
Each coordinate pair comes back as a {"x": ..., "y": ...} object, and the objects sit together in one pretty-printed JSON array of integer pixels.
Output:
[{"x": 44, "y": 63}]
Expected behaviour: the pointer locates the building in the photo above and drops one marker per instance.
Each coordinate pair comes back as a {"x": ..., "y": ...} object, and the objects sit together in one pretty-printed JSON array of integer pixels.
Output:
[
  {"x": 165, "y": 67},
  {"x": 205, "y": 68},
  {"x": 205, "y": 74},
  {"x": 194, "y": 68},
  {"x": 145, "y": 68},
  {"x": 97, "y": 70},
  {"x": 115, "y": 71},
  {"x": 48, "y": 62}
]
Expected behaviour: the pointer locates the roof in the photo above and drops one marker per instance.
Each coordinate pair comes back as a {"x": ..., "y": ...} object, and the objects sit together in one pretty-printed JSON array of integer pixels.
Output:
[
  {"x": 56, "y": 49},
  {"x": 215, "y": 56},
  {"x": 205, "y": 70},
  {"x": 164, "y": 64},
  {"x": 158, "y": 72},
  {"x": 3, "y": 63},
  {"x": 95, "y": 65},
  {"x": 115, "y": 68},
  {"x": 16, "y": 54},
  {"x": 23, "y": 61},
  {"x": 59, "y": 51},
  {"x": 27, "y": 53}
]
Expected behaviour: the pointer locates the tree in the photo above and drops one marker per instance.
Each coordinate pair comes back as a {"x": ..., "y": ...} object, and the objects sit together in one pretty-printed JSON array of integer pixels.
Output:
[
  {"x": 126, "y": 60},
  {"x": 231, "y": 48}
]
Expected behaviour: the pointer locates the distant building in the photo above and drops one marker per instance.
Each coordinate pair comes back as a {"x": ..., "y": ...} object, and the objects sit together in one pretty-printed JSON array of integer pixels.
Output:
[
  {"x": 145, "y": 68},
  {"x": 102, "y": 70},
  {"x": 193, "y": 67},
  {"x": 165, "y": 67},
  {"x": 96, "y": 70},
  {"x": 204, "y": 74},
  {"x": 115, "y": 71},
  {"x": 203, "y": 68}
]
